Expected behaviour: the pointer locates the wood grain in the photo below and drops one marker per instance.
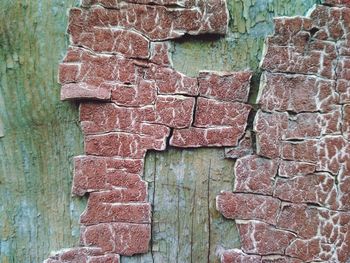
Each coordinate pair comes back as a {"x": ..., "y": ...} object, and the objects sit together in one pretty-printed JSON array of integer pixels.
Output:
[{"x": 39, "y": 135}]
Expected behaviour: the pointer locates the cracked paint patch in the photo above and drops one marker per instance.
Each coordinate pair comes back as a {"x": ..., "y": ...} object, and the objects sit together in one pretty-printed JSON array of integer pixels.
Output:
[
  {"x": 291, "y": 193},
  {"x": 299, "y": 178}
]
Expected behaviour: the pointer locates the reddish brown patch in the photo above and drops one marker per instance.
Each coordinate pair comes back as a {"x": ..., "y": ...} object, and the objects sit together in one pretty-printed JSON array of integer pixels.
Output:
[{"x": 291, "y": 193}]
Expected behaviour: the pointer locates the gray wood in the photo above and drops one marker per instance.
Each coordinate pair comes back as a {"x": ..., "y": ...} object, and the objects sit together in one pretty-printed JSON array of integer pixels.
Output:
[{"x": 183, "y": 185}]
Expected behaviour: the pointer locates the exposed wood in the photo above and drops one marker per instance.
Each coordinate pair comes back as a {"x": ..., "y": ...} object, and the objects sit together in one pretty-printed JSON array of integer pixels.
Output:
[
  {"x": 251, "y": 21},
  {"x": 39, "y": 135},
  {"x": 186, "y": 226}
]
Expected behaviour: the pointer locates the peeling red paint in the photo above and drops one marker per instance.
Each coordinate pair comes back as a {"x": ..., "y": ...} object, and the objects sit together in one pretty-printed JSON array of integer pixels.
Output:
[
  {"x": 301, "y": 127},
  {"x": 291, "y": 198}
]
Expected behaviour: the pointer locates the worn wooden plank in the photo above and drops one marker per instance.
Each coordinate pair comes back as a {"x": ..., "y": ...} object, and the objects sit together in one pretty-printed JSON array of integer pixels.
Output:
[
  {"x": 40, "y": 133},
  {"x": 186, "y": 226}
]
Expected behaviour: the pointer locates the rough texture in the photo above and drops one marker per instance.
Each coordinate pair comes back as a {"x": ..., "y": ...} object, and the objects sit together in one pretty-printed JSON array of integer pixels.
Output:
[
  {"x": 149, "y": 104},
  {"x": 146, "y": 105},
  {"x": 298, "y": 179},
  {"x": 41, "y": 135},
  {"x": 38, "y": 134},
  {"x": 182, "y": 195}
]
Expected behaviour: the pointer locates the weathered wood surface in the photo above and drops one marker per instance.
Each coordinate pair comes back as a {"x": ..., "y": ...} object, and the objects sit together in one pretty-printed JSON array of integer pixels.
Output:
[
  {"x": 178, "y": 172},
  {"x": 186, "y": 226},
  {"x": 250, "y": 22},
  {"x": 39, "y": 135}
]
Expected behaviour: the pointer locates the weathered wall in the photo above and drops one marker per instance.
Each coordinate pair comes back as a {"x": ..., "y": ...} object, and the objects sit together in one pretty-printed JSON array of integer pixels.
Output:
[{"x": 41, "y": 134}]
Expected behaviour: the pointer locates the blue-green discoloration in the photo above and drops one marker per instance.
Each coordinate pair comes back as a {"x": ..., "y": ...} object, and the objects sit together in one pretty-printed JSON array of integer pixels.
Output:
[
  {"x": 37, "y": 212},
  {"x": 250, "y": 22}
]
